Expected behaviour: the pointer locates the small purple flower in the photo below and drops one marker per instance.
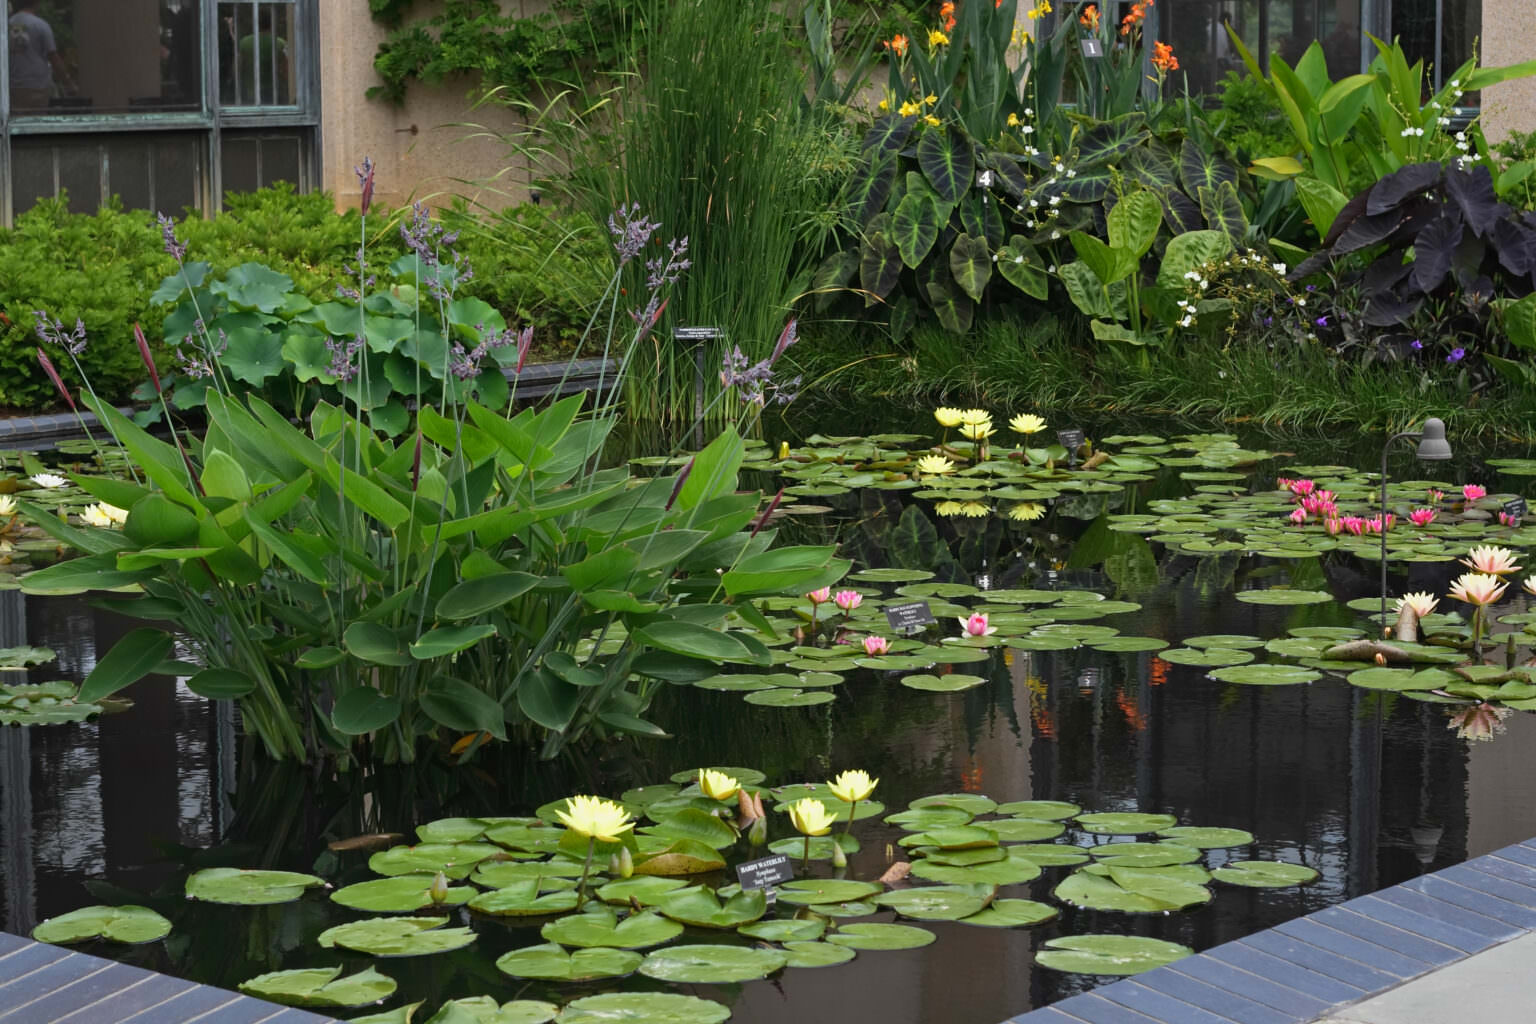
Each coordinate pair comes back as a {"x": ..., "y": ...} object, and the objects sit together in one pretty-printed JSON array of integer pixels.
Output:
[
  {"x": 342, "y": 367},
  {"x": 173, "y": 248},
  {"x": 1321, "y": 321},
  {"x": 365, "y": 182},
  {"x": 71, "y": 341},
  {"x": 1269, "y": 321},
  {"x": 630, "y": 231},
  {"x": 1457, "y": 354},
  {"x": 1416, "y": 344},
  {"x": 1311, "y": 287}
]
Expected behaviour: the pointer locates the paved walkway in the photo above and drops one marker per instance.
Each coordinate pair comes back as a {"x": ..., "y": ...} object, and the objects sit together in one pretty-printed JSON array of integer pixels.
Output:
[{"x": 1452, "y": 947}]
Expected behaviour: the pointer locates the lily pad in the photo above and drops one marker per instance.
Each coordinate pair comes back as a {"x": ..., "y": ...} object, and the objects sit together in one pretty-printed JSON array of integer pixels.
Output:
[
  {"x": 520, "y": 899},
  {"x": 1230, "y": 641},
  {"x": 974, "y": 803},
  {"x": 919, "y": 819},
  {"x": 1012, "y": 914},
  {"x": 1050, "y": 810},
  {"x": 128, "y": 924},
  {"x": 701, "y": 907},
  {"x": 1013, "y": 869},
  {"x": 745, "y": 776},
  {"x": 785, "y": 929},
  {"x": 1264, "y": 874},
  {"x": 1109, "y": 954},
  {"x": 643, "y": 1008},
  {"x": 679, "y": 857},
  {"x": 1145, "y": 892},
  {"x": 599, "y": 926},
  {"x": 550, "y": 962},
  {"x": 881, "y": 936},
  {"x": 250, "y": 888},
  {"x": 1400, "y": 679},
  {"x": 401, "y": 894},
  {"x": 1023, "y": 830},
  {"x": 1265, "y": 675},
  {"x": 455, "y": 860},
  {"x": 938, "y": 902},
  {"x": 786, "y": 698},
  {"x": 711, "y": 965},
  {"x": 644, "y": 890},
  {"x": 951, "y": 683},
  {"x": 1277, "y": 596},
  {"x": 1146, "y": 855},
  {"x": 1206, "y": 657},
  {"x": 483, "y": 1010},
  {"x": 1128, "y": 644},
  {"x": 692, "y": 823},
  {"x": 821, "y": 846},
  {"x": 1050, "y": 854},
  {"x": 320, "y": 986},
  {"x": 953, "y": 837},
  {"x": 826, "y": 890},
  {"x": 550, "y": 874},
  {"x": 816, "y": 954},
  {"x": 397, "y": 936},
  {"x": 1124, "y": 823},
  {"x": 1207, "y": 838}
]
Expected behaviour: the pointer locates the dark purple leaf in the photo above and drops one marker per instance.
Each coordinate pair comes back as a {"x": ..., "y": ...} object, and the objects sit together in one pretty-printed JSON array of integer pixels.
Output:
[
  {"x": 1386, "y": 273},
  {"x": 1180, "y": 212},
  {"x": 1433, "y": 248},
  {"x": 1515, "y": 245},
  {"x": 1387, "y": 311},
  {"x": 1367, "y": 231},
  {"x": 1347, "y": 216},
  {"x": 1409, "y": 183},
  {"x": 1472, "y": 192}
]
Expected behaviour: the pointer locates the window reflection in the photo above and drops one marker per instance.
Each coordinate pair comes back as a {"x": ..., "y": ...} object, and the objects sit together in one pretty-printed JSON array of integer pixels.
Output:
[
  {"x": 103, "y": 56},
  {"x": 256, "y": 64}
]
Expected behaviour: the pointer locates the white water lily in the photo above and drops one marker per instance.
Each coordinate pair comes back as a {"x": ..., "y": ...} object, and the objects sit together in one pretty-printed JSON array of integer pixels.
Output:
[
  {"x": 49, "y": 480},
  {"x": 104, "y": 515}
]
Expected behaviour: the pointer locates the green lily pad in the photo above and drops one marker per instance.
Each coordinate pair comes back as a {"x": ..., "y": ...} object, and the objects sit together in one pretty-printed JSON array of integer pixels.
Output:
[
  {"x": 548, "y": 961},
  {"x": 1400, "y": 679},
  {"x": 1109, "y": 954},
  {"x": 1194, "y": 874},
  {"x": 785, "y": 929},
  {"x": 397, "y": 936},
  {"x": 1206, "y": 657},
  {"x": 1023, "y": 830},
  {"x": 550, "y": 874},
  {"x": 1130, "y": 890},
  {"x": 1230, "y": 641},
  {"x": 1050, "y": 854},
  {"x": 919, "y": 819},
  {"x": 1264, "y": 874},
  {"x": 1049, "y": 810},
  {"x": 745, "y": 776},
  {"x": 954, "y": 837},
  {"x": 701, "y": 907},
  {"x": 1207, "y": 838},
  {"x": 128, "y": 924},
  {"x": 951, "y": 683},
  {"x": 678, "y": 857},
  {"x": 404, "y": 1015},
  {"x": 1128, "y": 644},
  {"x": 401, "y": 894},
  {"x": 850, "y": 908},
  {"x": 692, "y": 823},
  {"x": 520, "y": 899},
  {"x": 881, "y": 936},
  {"x": 644, "y": 890},
  {"x": 711, "y": 965},
  {"x": 735, "y": 683},
  {"x": 455, "y": 830},
  {"x": 1013, "y": 869},
  {"x": 938, "y": 902},
  {"x": 483, "y": 1010},
  {"x": 1124, "y": 823},
  {"x": 1012, "y": 914},
  {"x": 974, "y": 803},
  {"x": 816, "y": 954},
  {"x": 643, "y": 1008},
  {"x": 1277, "y": 596},
  {"x": 597, "y": 925},
  {"x": 455, "y": 860},
  {"x": 1145, "y": 855},
  {"x": 249, "y": 888},
  {"x": 821, "y": 846},
  {"x": 1265, "y": 675},
  {"x": 961, "y": 858},
  {"x": 320, "y": 986},
  {"x": 891, "y": 575},
  {"x": 826, "y": 890},
  {"x": 786, "y": 698}
]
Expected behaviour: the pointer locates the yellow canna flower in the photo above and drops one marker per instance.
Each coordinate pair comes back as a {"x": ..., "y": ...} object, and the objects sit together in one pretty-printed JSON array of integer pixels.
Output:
[
  {"x": 937, "y": 38},
  {"x": 975, "y": 416},
  {"x": 948, "y": 417},
  {"x": 811, "y": 816},
  {"x": 932, "y": 120},
  {"x": 851, "y": 787},
  {"x": 596, "y": 818},
  {"x": 717, "y": 785},
  {"x": 883, "y": 105},
  {"x": 934, "y": 465},
  {"x": 1027, "y": 423},
  {"x": 930, "y": 100},
  {"x": 909, "y": 109}
]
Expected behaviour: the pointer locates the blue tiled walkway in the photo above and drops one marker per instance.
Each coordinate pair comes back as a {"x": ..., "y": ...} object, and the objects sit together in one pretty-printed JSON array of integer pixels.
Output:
[
  {"x": 1303, "y": 969},
  {"x": 43, "y": 984}
]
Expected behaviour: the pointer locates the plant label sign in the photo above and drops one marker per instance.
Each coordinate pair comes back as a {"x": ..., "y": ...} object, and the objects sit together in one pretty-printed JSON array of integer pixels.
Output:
[
  {"x": 913, "y": 615},
  {"x": 765, "y": 873},
  {"x": 1515, "y": 508},
  {"x": 1071, "y": 440},
  {"x": 1092, "y": 48},
  {"x": 697, "y": 335}
]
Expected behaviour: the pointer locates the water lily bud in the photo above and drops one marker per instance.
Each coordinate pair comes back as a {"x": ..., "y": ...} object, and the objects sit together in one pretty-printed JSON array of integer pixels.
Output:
[
  {"x": 839, "y": 858},
  {"x": 1381, "y": 659},
  {"x": 783, "y": 450},
  {"x": 626, "y": 863},
  {"x": 757, "y": 834},
  {"x": 439, "y": 889}
]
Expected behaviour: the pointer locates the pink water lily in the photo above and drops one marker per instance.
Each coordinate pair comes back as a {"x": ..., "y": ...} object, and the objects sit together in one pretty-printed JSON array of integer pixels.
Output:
[
  {"x": 1334, "y": 525},
  {"x": 1302, "y": 487},
  {"x": 848, "y": 600},
  {"x": 821, "y": 596},
  {"x": 1505, "y": 519},
  {"x": 1435, "y": 496},
  {"x": 976, "y": 625},
  {"x": 1319, "y": 503},
  {"x": 1298, "y": 516},
  {"x": 1482, "y": 722},
  {"x": 1490, "y": 559},
  {"x": 1471, "y": 492},
  {"x": 874, "y": 646},
  {"x": 1421, "y": 516},
  {"x": 1283, "y": 483},
  {"x": 1354, "y": 524}
]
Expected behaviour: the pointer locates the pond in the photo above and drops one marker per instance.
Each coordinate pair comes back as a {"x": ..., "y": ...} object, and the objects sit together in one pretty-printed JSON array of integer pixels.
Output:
[{"x": 1366, "y": 786}]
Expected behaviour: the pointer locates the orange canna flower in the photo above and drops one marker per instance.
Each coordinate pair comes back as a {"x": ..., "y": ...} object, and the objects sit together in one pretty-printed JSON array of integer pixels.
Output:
[
  {"x": 1163, "y": 58},
  {"x": 1089, "y": 19},
  {"x": 897, "y": 44},
  {"x": 947, "y": 12},
  {"x": 1137, "y": 15}
]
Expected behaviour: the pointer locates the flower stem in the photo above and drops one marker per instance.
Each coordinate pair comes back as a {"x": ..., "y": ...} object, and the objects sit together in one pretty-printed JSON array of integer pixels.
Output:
[
  {"x": 852, "y": 806},
  {"x": 805, "y": 862},
  {"x": 586, "y": 868}
]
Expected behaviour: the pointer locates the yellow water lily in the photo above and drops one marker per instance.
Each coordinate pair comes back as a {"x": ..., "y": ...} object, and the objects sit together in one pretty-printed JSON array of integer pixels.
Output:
[
  {"x": 717, "y": 785},
  {"x": 978, "y": 431},
  {"x": 934, "y": 465},
  {"x": 949, "y": 508},
  {"x": 948, "y": 417},
  {"x": 7, "y": 505},
  {"x": 595, "y": 818},
  {"x": 1422, "y": 602},
  {"x": 811, "y": 817},
  {"x": 851, "y": 787},
  {"x": 1026, "y": 511},
  {"x": 975, "y": 416},
  {"x": 1027, "y": 423},
  {"x": 974, "y": 509},
  {"x": 103, "y": 515}
]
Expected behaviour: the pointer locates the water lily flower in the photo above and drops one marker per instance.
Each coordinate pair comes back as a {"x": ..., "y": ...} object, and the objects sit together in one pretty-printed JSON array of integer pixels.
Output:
[
  {"x": 1421, "y": 516},
  {"x": 1505, "y": 519},
  {"x": 851, "y": 787},
  {"x": 1529, "y": 583},
  {"x": 1300, "y": 487},
  {"x": 948, "y": 508},
  {"x": 811, "y": 817},
  {"x": 975, "y": 416},
  {"x": 1026, "y": 423},
  {"x": 595, "y": 818},
  {"x": 103, "y": 515},
  {"x": 934, "y": 465},
  {"x": 821, "y": 596},
  {"x": 948, "y": 417},
  {"x": 1434, "y": 497},
  {"x": 1283, "y": 483},
  {"x": 874, "y": 646},
  {"x": 1026, "y": 511},
  {"x": 1421, "y": 601},
  {"x": 1470, "y": 492},
  {"x": 1476, "y": 588},
  {"x": 1494, "y": 561},
  {"x": 49, "y": 480},
  {"x": 7, "y": 505},
  {"x": 1482, "y": 722},
  {"x": 848, "y": 600},
  {"x": 717, "y": 785},
  {"x": 978, "y": 431},
  {"x": 438, "y": 890},
  {"x": 974, "y": 509},
  {"x": 1354, "y": 524},
  {"x": 1298, "y": 516},
  {"x": 1333, "y": 524},
  {"x": 976, "y": 625}
]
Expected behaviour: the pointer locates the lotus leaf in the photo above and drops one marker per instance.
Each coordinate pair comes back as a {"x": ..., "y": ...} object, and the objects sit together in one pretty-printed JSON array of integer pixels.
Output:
[
  {"x": 320, "y": 986},
  {"x": 643, "y": 1008},
  {"x": 399, "y": 895},
  {"x": 455, "y": 860},
  {"x": 692, "y": 823},
  {"x": 714, "y": 964},
  {"x": 519, "y": 899},
  {"x": 1012, "y": 914},
  {"x": 397, "y": 936},
  {"x": 679, "y": 857},
  {"x": 816, "y": 954},
  {"x": 821, "y": 846},
  {"x": 1207, "y": 838},
  {"x": 597, "y": 925},
  {"x": 826, "y": 890},
  {"x": 700, "y": 906},
  {"x": 1050, "y": 810},
  {"x": 249, "y": 888},
  {"x": 1109, "y": 954},
  {"x": 1123, "y": 823},
  {"x": 1011, "y": 870},
  {"x": 784, "y": 929},
  {"x": 881, "y": 936},
  {"x": 1265, "y": 675},
  {"x": 938, "y": 902},
  {"x": 1206, "y": 657},
  {"x": 550, "y": 962},
  {"x": 128, "y": 924},
  {"x": 1264, "y": 874}
]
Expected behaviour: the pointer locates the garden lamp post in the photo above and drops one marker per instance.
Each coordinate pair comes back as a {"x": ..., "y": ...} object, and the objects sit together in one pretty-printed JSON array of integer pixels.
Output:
[{"x": 1433, "y": 447}]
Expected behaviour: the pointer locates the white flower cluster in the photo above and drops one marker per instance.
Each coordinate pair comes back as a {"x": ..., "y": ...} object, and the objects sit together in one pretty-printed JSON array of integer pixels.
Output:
[{"x": 1411, "y": 131}]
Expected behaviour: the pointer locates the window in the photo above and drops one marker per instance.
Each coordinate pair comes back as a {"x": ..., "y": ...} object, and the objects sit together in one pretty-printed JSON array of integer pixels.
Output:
[
  {"x": 256, "y": 58},
  {"x": 147, "y": 170}
]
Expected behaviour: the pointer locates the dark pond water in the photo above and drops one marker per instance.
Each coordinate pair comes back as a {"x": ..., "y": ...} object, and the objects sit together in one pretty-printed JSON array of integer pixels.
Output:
[{"x": 1369, "y": 790}]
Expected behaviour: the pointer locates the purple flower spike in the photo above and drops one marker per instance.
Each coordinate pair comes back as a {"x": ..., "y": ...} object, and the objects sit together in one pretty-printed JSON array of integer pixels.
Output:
[
  {"x": 173, "y": 248},
  {"x": 1457, "y": 354},
  {"x": 1416, "y": 344}
]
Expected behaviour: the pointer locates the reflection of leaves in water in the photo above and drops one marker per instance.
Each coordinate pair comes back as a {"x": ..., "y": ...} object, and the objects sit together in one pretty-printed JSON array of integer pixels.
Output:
[
  {"x": 1127, "y": 557},
  {"x": 915, "y": 544},
  {"x": 1214, "y": 573}
]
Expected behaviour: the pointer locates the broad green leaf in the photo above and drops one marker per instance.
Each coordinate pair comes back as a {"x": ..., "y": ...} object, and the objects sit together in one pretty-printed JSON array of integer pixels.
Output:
[
  {"x": 711, "y": 965},
  {"x": 397, "y": 936},
  {"x": 320, "y": 987},
  {"x": 1134, "y": 222},
  {"x": 938, "y": 902},
  {"x": 248, "y": 888},
  {"x": 1109, "y": 954},
  {"x": 399, "y": 895},
  {"x": 701, "y": 907},
  {"x": 363, "y": 709},
  {"x": 1264, "y": 874},
  {"x": 132, "y": 658},
  {"x": 599, "y": 926},
  {"x": 643, "y": 1008},
  {"x": 128, "y": 924},
  {"x": 477, "y": 596},
  {"x": 881, "y": 936}
]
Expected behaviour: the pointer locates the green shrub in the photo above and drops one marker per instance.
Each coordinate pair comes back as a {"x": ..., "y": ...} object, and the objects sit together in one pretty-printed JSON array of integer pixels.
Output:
[{"x": 1250, "y": 120}]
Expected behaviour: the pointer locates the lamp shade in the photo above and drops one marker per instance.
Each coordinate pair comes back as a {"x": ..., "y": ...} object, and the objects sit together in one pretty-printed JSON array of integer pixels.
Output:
[{"x": 1433, "y": 447}]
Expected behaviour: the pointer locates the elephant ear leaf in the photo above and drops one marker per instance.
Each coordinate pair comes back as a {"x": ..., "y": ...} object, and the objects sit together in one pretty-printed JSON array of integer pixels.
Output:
[
  {"x": 1223, "y": 210},
  {"x": 879, "y": 261},
  {"x": 1200, "y": 168},
  {"x": 947, "y": 162},
  {"x": 970, "y": 261}
]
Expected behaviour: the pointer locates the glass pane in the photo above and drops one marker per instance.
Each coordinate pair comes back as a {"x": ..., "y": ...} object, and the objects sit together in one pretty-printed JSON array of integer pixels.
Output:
[
  {"x": 1295, "y": 25},
  {"x": 1441, "y": 33},
  {"x": 104, "y": 56},
  {"x": 256, "y": 66},
  {"x": 1195, "y": 30},
  {"x": 148, "y": 171},
  {"x": 254, "y": 159}
]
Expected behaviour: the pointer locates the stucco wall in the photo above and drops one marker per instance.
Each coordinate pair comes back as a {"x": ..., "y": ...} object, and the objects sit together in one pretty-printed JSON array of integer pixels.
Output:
[
  {"x": 422, "y": 149},
  {"x": 1509, "y": 37}
]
